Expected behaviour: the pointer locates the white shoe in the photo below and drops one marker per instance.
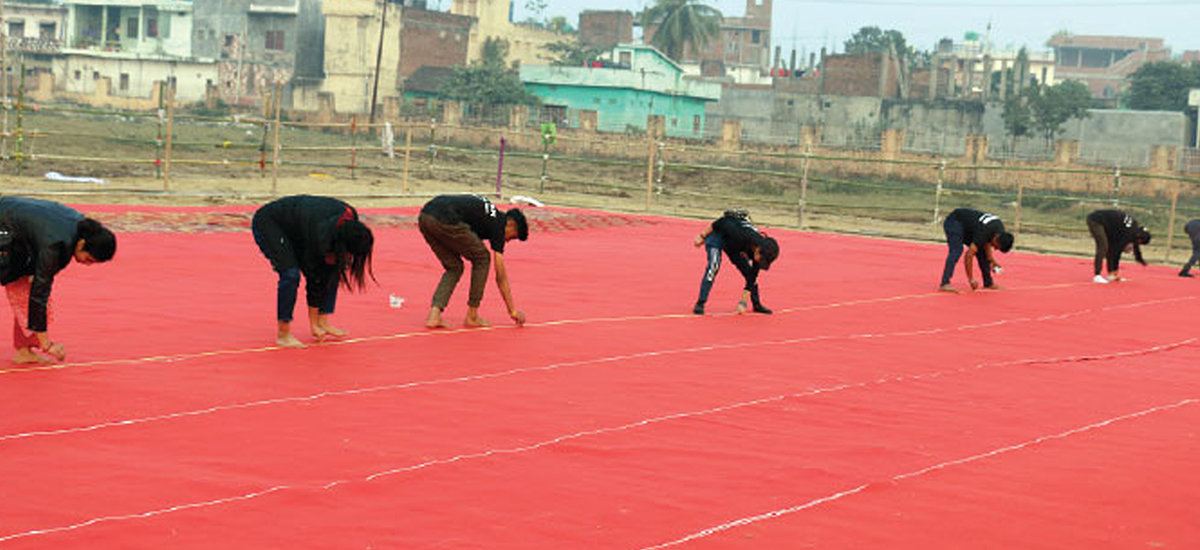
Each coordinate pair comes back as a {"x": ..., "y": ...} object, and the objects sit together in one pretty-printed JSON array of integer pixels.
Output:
[{"x": 1100, "y": 279}]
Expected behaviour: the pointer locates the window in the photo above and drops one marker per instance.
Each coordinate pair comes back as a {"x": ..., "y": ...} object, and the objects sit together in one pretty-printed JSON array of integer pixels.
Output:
[
  {"x": 626, "y": 58},
  {"x": 151, "y": 27},
  {"x": 78, "y": 74},
  {"x": 755, "y": 36},
  {"x": 47, "y": 31},
  {"x": 132, "y": 26},
  {"x": 95, "y": 75},
  {"x": 16, "y": 29},
  {"x": 674, "y": 123},
  {"x": 274, "y": 40},
  {"x": 696, "y": 124},
  {"x": 124, "y": 82},
  {"x": 229, "y": 41}
]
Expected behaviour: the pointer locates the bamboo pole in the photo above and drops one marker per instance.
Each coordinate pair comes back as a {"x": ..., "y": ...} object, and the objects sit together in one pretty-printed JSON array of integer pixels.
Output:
[
  {"x": 803, "y": 188},
  {"x": 275, "y": 148},
  {"x": 353, "y": 143},
  {"x": 650, "y": 172},
  {"x": 407, "y": 156},
  {"x": 937, "y": 198},
  {"x": 20, "y": 141},
  {"x": 1171, "y": 224},
  {"x": 1020, "y": 194},
  {"x": 170, "y": 136},
  {"x": 158, "y": 140}
]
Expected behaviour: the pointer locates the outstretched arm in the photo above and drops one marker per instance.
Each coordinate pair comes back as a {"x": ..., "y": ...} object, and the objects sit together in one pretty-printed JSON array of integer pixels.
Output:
[
  {"x": 969, "y": 265},
  {"x": 505, "y": 290},
  {"x": 703, "y": 235}
]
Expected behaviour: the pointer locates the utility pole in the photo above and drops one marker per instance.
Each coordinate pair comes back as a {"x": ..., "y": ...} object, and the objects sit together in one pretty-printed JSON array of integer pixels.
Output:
[{"x": 378, "y": 62}]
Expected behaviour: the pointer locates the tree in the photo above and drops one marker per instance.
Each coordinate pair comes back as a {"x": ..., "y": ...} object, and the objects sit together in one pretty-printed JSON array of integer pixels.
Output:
[
  {"x": 536, "y": 9},
  {"x": 1162, "y": 86},
  {"x": 488, "y": 82},
  {"x": 681, "y": 24},
  {"x": 872, "y": 39},
  {"x": 571, "y": 53},
  {"x": 559, "y": 24},
  {"x": 1053, "y": 106}
]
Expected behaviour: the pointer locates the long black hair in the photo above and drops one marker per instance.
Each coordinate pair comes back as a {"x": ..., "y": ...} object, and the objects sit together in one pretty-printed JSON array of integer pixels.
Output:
[
  {"x": 354, "y": 239},
  {"x": 97, "y": 239}
]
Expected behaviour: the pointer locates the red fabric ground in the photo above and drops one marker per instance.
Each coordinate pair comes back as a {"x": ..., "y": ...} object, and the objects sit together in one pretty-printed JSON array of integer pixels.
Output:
[{"x": 869, "y": 412}]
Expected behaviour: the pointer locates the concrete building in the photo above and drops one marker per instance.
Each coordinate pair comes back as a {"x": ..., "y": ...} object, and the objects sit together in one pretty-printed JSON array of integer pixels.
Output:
[
  {"x": 35, "y": 31},
  {"x": 259, "y": 43},
  {"x": 128, "y": 46},
  {"x": 741, "y": 51},
  {"x": 493, "y": 19},
  {"x": 1104, "y": 63},
  {"x": 972, "y": 63},
  {"x": 637, "y": 82},
  {"x": 605, "y": 29}
]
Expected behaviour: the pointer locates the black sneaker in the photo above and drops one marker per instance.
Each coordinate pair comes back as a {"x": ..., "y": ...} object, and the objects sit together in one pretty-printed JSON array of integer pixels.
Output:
[
  {"x": 699, "y": 309},
  {"x": 1186, "y": 274}
]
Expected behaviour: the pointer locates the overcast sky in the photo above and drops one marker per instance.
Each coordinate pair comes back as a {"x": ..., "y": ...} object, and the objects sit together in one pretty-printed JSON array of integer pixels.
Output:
[{"x": 808, "y": 25}]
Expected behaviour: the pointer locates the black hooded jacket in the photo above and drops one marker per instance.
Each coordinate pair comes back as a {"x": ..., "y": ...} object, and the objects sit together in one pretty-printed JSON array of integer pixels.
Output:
[
  {"x": 40, "y": 241},
  {"x": 298, "y": 231}
]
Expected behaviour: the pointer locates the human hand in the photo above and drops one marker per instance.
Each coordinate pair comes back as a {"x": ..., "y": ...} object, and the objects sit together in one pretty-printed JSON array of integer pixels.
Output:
[{"x": 698, "y": 241}]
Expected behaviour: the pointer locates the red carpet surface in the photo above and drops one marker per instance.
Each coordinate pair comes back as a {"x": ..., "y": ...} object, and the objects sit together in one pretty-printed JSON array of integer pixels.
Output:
[{"x": 868, "y": 412}]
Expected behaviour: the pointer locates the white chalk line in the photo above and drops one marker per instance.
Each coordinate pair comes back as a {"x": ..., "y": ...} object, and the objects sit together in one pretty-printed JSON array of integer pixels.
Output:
[
  {"x": 551, "y": 367},
  {"x": 579, "y": 435},
  {"x": 830, "y": 498}
]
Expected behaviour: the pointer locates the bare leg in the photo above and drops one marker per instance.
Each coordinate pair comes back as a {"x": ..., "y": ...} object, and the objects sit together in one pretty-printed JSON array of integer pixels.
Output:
[{"x": 284, "y": 337}]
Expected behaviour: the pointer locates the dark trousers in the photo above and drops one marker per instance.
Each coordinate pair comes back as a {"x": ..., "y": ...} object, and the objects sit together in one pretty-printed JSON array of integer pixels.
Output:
[
  {"x": 451, "y": 243},
  {"x": 712, "y": 247},
  {"x": 1194, "y": 234},
  {"x": 1101, "y": 238},
  {"x": 955, "y": 241},
  {"x": 278, "y": 251}
]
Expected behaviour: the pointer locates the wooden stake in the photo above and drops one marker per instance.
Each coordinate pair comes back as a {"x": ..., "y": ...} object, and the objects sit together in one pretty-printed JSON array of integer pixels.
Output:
[
  {"x": 650, "y": 173},
  {"x": 353, "y": 142},
  {"x": 170, "y": 135},
  {"x": 1171, "y": 225},
  {"x": 275, "y": 148},
  {"x": 1020, "y": 193},
  {"x": 407, "y": 155}
]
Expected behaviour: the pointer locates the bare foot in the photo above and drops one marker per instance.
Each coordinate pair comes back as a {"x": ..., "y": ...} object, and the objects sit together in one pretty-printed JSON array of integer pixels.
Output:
[
  {"x": 332, "y": 331},
  {"x": 948, "y": 288},
  {"x": 26, "y": 356},
  {"x": 435, "y": 320},
  {"x": 474, "y": 321},
  {"x": 288, "y": 341},
  {"x": 993, "y": 287}
]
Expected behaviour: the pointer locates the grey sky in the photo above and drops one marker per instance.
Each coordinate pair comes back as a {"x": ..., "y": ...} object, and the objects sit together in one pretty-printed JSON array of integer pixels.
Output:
[{"x": 807, "y": 25}]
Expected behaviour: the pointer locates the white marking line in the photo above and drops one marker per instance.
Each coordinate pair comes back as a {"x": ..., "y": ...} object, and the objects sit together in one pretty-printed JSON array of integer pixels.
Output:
[
  {"x": 573, "y": 436},
  {"x": 551, "y": 367},
  {"x": 785, "y": 511}
]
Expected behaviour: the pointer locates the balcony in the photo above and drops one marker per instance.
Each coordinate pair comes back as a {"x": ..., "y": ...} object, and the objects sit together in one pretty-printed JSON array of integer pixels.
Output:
[{"x": 34, "y": 45}]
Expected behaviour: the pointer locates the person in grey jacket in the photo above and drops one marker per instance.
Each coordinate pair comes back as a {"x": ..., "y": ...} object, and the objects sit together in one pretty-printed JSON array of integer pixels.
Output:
[{"x": 38, "y": 239}]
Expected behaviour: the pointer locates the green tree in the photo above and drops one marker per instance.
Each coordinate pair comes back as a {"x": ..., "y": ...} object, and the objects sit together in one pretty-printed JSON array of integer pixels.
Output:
[
  {"x": 571, "y": 53},
  {"x": 681, "y": 24},
  {"x": 488, "y": 82},
  {"x": 1053, "y": 106},
  {"x": 872, "y": 39},
  {"x": 1162, "y": 86},
  {"x": 559, "y": 23}
]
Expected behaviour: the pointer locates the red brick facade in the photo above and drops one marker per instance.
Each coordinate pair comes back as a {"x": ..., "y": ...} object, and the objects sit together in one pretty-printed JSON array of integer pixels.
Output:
[
  {"x": 605, "y": 29},
  {"x": 861, "y": 75},
  {"x": 436, "y": 39}
]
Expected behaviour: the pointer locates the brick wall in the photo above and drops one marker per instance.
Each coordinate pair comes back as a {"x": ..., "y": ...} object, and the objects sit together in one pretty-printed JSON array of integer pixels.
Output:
[
  {"x": 605, "y": 29},
  {"x": 859, "y": 75},
  {"x": 432, "y": 38}
]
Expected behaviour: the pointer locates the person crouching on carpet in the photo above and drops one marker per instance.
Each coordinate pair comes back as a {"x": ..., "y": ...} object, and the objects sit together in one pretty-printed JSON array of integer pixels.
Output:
[
  {"x": 982, "y": 234},
  {"x": 747, "y": 247},
  {"x": 1115, "y": 232},
  {"x": 38, "y": 239},
  {"x": 455, "y": 227},
  {"x": 323, "y": 239}
]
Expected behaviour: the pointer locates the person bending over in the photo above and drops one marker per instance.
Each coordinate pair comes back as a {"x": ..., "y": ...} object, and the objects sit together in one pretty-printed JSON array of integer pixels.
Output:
[
  {"x": 748, "y": 249},
  {"x": 1193, "y": 232},
  {"x": 1115, "y": 232},
  {"x": 38, "y": 239},
  {"x": 323, "y": 239},
  {"x": 981, "y": 233},
  {"x": 455, "y": 227}
]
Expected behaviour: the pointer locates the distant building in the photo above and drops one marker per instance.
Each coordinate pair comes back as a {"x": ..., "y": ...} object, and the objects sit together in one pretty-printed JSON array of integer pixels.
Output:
[
  {"x": 741, "y": 49},
  {"x": 605, "y": 29},
  {"x": 971, "y": 64},
  {"x": 260, "y": 43},
  {"x": 132, "y": 45},
  {"x": 35, "y": 32},
  {"x": 493, "y": 19},
  {"x": 637, "y": 81},
  {"x": 1104, "y": 62}
]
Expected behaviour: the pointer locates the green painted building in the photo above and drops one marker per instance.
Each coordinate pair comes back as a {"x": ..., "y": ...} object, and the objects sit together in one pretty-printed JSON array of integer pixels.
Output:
[{"x": 635, "y": 82}]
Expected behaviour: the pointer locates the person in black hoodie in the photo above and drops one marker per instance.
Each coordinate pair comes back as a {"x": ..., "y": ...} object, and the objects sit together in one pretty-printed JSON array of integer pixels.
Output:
[
  {"x": 982, "y": 234},
  {"x": 1115, "y": 232},
  {"x": 748, "y": 249},
  {"x": 323, "y": 239},
  {"x": 38, "y": 239}
]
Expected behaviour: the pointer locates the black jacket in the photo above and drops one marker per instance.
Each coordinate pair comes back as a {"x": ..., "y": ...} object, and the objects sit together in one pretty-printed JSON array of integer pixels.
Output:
[
  {"x": 43, "y": 236},
  {"x": 298, "y": 232}
]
